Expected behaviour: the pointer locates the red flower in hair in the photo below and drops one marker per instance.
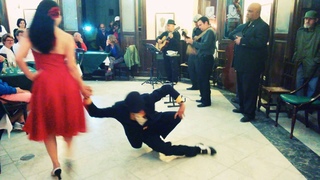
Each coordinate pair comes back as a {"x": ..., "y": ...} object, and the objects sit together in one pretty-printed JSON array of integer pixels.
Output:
[{"x": 54, "y": 12}]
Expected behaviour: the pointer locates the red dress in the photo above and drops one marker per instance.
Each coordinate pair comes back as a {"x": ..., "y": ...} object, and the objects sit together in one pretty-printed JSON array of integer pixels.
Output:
[{"x": 56, "y": 103}]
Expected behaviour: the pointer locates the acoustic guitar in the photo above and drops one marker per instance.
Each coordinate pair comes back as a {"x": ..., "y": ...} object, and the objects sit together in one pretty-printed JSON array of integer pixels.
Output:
[
  {"x": 165, "y": 41},
  {"x": 190, "y": 48}
]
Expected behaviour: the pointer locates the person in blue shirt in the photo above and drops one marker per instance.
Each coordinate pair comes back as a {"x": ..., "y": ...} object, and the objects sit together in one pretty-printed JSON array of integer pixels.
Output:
[{"x": 114, "y": 53}]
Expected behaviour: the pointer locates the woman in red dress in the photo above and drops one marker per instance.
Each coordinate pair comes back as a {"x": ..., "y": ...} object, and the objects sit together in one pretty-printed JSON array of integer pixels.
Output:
[{"x": 56, "y": 103}]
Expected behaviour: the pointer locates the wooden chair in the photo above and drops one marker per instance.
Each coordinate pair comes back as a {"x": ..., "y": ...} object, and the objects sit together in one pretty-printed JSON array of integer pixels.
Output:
[
  {"x": 131, "y": 60},
  {"x": 14, "y": 110},
  {"x": 270, "y": 93},
  {"x": 299, "y": 103},
  {"x": 121, "y": 69}
]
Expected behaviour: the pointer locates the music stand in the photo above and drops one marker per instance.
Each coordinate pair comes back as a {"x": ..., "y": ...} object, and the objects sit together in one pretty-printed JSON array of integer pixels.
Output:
[{"x": 153, "y": 50}]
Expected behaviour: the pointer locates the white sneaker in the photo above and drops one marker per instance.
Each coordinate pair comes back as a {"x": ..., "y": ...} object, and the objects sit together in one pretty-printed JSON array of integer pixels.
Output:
[
  {"x": 206, "y": 149},
  {"x": 17, "y": 126}
]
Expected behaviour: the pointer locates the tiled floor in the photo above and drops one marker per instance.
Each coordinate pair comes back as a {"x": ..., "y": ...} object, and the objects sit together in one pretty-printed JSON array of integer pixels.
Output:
[{"x": 244, "y": 150}]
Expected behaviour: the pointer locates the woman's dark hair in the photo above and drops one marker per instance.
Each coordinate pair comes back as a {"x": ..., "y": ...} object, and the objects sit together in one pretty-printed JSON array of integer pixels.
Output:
[
  {"x": 21, "y": 19},
  {"x": 42, "y": 27}
]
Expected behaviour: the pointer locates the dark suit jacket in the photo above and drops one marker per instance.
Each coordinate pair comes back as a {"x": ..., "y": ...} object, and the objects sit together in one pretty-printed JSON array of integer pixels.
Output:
[
  {"x": 101, "y": 39},
  {"x": 252, "y": 52},
  {"x": 133, "y": 130}
]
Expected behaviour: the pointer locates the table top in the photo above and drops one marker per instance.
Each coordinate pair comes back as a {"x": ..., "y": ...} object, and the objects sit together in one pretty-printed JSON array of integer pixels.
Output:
[
  {"x": 16, "y": 78},
  {"x": 92, "y": 60},
  {"x": 95, "y": 52},
  {"x": 15, "y": 71}
]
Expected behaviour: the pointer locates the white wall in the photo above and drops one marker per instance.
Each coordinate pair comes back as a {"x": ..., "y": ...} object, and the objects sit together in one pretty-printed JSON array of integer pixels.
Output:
[
  {"x": 265, "y": 10},
  {"x": 183, "y": 10},
  {"x": 15, "y": 9}
]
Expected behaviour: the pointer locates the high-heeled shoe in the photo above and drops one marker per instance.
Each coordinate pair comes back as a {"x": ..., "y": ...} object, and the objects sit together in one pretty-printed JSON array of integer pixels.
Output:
[{"x": 57, "y": 172}]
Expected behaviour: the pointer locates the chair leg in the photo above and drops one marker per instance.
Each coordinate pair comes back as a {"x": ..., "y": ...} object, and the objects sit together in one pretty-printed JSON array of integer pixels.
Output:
[
  {"x": 319, "y": 119},
  {"x": 306, "y": 116},
  {"x": 293, "y": 122},
  {"x": 277, "y": 111},
  {"x": 259, "y": 99},
  {"x": 268, "y": 105}
]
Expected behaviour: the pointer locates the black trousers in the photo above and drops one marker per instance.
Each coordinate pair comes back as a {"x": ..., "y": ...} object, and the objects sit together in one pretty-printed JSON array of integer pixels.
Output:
[
  {"x": 162, "y": 128},
  {"x": 204, "y": 72},
  {"x": 193, "y": 65},
  {"x": 248, "y": 87},
  {"x": 171, "y": 65}
]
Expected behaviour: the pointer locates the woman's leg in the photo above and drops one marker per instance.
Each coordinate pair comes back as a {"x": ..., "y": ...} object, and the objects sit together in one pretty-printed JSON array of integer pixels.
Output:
[
  {"x": 51, "y": 146},
  {"x": 69, "y": 150}
]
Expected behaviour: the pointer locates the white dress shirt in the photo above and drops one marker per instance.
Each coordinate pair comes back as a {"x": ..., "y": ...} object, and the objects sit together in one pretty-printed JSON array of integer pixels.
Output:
[
  {"x": 29, "y": 56},
  {"x": 10, "y": 56}
]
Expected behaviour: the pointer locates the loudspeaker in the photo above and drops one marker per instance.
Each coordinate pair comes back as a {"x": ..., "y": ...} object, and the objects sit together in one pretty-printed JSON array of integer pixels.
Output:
[{"x": 159, "y": 67}]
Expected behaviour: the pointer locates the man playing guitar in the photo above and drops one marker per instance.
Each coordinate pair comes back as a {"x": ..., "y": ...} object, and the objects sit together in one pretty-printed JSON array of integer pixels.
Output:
[
  {"x": 193, "y": 63},
  {"x": 171, "y": 39}
]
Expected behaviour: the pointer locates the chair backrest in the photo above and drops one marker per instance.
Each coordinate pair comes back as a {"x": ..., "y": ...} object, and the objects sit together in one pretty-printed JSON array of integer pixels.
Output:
[
  {"x": 131, "y": 56},
  {"x": 306, "y": 82}
]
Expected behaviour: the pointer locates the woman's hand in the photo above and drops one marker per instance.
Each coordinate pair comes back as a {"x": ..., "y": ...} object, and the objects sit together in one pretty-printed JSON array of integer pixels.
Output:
[
  {"x": 2, "y": 58},
  {"x": 180, "y": 112},
  {"x": 86, "y": 91},
  {"x": 33, "y": 76},
  {"x": 19, "y": 90}
]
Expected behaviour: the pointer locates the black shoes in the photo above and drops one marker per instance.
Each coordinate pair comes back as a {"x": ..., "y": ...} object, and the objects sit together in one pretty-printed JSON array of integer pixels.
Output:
[
  {"x": 203, "y": 105},
  {"x": 199, "y": 101},
  {"x": 206, "y": 149},
  {"x": 57, "y": 172},
  {"x": 236, "y": 111},
  {"x": 192, "y": 88},
  {"x": 246, "y": 119}
]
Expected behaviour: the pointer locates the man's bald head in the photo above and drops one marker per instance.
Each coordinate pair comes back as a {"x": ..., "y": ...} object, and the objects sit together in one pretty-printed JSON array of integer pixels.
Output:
[{"x": 253, "y": 11}]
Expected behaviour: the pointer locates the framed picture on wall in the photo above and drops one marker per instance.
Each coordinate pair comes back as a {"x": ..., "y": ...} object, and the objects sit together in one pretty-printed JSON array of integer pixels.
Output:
[
  {"x": 28, "y": 16},
  {"x": 161, "y": 22}
]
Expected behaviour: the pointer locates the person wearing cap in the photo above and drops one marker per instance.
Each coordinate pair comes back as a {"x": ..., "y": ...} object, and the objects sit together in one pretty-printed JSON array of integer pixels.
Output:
[
  {"x": 143, "y": 124},
  {"x": 192, "y": 59},
  {"x": 205, "y": 50},
  {"x": 250, "y": 55},
  {"x": 171, "y": 42},
  {"x": 307, "y": 53}
]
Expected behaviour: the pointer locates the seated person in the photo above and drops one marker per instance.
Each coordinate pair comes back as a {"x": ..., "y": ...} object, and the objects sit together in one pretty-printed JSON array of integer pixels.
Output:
[
  {"x": 14, "y": 94},
  {"x": 8, "y": 42},
  {"x": 114, "y": 53},
  {"x": 79, "y": 41},
  {"x": 19, "y": 34}
]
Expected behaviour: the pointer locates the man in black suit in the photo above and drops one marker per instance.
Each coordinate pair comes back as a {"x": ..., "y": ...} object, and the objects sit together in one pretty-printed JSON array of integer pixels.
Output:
[
  {"x": 250, "y": 54},
  {"x": 101, "y": 37},
  {"x": 142, "y": 124}
]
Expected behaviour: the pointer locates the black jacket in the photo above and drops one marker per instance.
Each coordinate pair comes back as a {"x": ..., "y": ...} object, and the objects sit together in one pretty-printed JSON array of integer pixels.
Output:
[
  {"x": 132, "y": 129},
  {"x": 173, "y": 43},
  {"x": 252, "y": 52}
]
